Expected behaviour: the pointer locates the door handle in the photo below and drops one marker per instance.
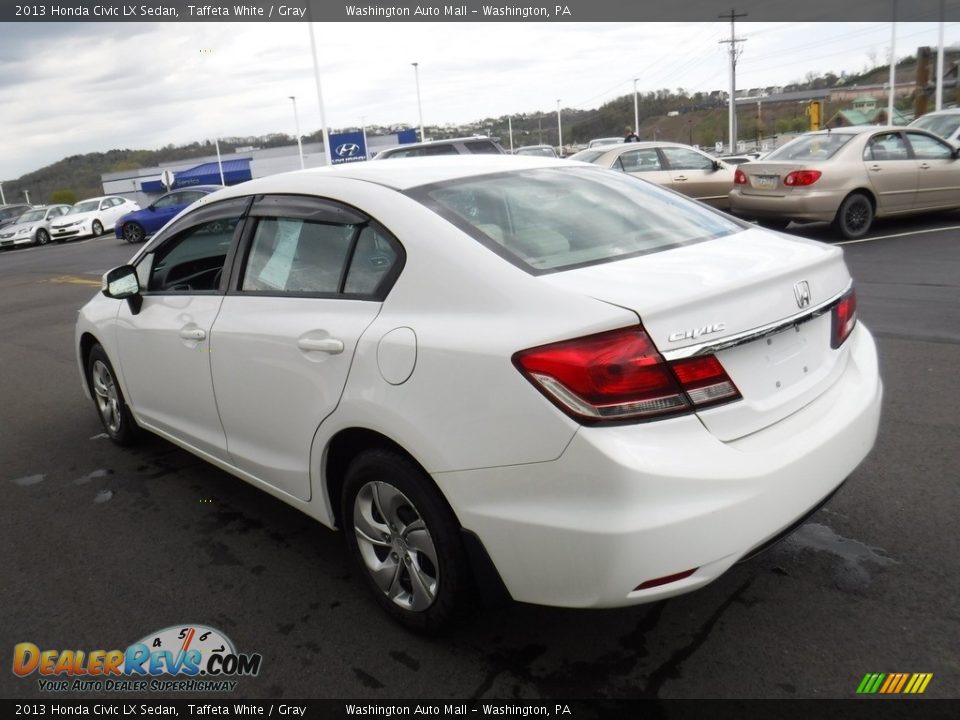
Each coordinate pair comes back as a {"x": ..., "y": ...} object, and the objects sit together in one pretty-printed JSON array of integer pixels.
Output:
[
  {"x": 876, "y": 168},
  {"x": 193, "y": 333},
  {"x": 327, "y": 345},
  {"x": 680, "y": 177},
  {"x": 924, "y": 166}
]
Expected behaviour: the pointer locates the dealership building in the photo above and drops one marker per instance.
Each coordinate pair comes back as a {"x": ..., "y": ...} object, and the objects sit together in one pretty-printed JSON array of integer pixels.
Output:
[{"x": 144, "y": 185}]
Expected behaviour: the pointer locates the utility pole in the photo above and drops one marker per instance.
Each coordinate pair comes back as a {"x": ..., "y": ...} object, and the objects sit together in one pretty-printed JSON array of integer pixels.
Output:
[
  {"x": 893, "y": 64},
  {"x": 734, "y": 54}
]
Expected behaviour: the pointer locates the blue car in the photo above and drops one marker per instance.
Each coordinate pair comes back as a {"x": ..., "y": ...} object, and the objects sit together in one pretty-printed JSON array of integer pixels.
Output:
[{"x": 137, "y": 226}]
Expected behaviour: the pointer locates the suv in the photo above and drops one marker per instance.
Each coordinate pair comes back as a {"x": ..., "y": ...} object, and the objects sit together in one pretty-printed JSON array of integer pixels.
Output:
[
  {"x": 478, "y": 145},
  {"x": 945, "y": 123}
]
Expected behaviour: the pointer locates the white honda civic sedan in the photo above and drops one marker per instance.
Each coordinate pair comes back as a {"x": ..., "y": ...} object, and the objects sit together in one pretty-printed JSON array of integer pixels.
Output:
[{"x": 497, "y": 375}]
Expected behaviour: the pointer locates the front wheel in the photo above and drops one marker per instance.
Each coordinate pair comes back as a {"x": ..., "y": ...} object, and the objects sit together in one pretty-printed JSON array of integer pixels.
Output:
[
  {"x": 854, "y": 217},
  {"x": 115, "y": 416},
  {"x": 133, "y": 232},
  {"x": 406, "y": 541},
  {"x": 43, "y": 237},
  {"x": 97, "y": 228}
]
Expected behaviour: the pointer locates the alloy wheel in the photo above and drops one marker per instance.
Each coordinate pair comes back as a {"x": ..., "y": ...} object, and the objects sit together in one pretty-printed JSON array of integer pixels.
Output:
[{"x": 105, "y": 393}]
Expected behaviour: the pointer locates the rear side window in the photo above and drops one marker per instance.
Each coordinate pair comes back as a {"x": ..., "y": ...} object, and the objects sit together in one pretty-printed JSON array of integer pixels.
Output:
[
  {"x": 297, "y": 256},
  {"x": 646, "y": 160},
  {"x": 821, "y": 146},
  {"x": 551, "y": 219},
  {"x": 482, "y": 147}
]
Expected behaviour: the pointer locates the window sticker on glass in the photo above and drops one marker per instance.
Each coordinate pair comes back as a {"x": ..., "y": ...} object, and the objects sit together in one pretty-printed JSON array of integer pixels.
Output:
[{"x": 277, "y": 269}]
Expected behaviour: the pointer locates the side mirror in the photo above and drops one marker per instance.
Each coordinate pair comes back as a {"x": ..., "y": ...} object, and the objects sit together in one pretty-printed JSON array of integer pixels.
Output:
[
  {"x": 717, "y": 165},
  {"x": 956, "y": 153},
  {"x": 121, "y": 283}
]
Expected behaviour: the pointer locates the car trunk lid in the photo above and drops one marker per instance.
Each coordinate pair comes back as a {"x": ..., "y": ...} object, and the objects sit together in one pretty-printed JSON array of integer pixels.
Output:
[{"x": 749, "y": 294}]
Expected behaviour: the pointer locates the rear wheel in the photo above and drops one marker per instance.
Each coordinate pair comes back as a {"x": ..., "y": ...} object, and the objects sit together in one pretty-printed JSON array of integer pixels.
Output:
[
  {"x": 43, "y": 237},
  {"x": 114, "y": 414},
  {"x": 133, "y": 232},
  {"x": 96, "y": 228},
  {"x": 405, "y": 541},
  {"x": 855, "y": 216}
]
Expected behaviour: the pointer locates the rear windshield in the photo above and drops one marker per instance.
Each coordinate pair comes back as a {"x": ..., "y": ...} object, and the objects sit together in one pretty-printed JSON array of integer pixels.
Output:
[
  {"x": 811, "y": 147},
  {"x": 550, "y": 219},
  {"x": 943, "y": 125}
]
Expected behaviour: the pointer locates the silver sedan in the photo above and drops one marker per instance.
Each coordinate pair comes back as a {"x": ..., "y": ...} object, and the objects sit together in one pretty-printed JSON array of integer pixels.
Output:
[
  {"x": 849, "y": 176},
  {"x": 678, "y": 167}
]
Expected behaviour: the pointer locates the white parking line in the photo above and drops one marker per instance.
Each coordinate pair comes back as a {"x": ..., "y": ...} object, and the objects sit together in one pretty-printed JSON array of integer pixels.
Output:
[{"x": 905, "y": 234}]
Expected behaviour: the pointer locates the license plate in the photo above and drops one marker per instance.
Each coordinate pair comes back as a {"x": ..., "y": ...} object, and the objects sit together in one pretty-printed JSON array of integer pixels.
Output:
[{"x": 765, "y": 182}]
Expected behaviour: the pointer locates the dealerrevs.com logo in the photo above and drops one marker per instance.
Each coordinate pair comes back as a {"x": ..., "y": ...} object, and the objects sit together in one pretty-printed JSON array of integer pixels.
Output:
[{"x": 197, "y": 658}]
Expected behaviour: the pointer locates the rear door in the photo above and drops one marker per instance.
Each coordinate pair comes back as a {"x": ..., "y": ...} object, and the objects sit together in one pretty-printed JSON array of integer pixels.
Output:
[{"x": 311, "y": 280}]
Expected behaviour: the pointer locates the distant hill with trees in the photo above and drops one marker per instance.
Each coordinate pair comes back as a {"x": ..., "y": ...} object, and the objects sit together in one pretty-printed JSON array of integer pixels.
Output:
[{"x": 666, "y": 114}]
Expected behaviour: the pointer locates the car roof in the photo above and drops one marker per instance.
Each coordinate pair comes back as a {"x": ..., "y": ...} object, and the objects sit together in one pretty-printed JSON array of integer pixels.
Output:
[{"x": 400, "y": 174}]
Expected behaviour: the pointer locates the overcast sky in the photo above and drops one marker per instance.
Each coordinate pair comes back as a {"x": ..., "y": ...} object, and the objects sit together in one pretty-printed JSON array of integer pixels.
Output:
[{"x": 75, "y": 88}]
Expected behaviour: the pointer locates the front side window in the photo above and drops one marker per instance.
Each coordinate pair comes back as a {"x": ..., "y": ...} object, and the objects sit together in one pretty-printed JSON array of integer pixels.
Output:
[
  {"x": 167, "y": 201},
  {"x": 551, "y": 219},
  {"x": 928, "y": 148},
  {"x": 686, "y": 159},
  {"x": 191, "y": 261}
]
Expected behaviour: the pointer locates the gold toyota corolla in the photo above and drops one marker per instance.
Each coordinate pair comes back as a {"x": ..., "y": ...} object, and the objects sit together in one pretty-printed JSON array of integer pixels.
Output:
[
  {"x": 849, "y": 176},
  {"x": 678, "y": 167}
]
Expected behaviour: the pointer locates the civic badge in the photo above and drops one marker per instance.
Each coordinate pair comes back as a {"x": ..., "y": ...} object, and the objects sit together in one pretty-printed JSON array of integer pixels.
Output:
[{"x": 801, "y": 291}]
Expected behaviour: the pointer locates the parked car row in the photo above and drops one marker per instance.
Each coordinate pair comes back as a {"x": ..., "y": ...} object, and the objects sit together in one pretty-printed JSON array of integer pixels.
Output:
[{"x": 31, "y": 227}]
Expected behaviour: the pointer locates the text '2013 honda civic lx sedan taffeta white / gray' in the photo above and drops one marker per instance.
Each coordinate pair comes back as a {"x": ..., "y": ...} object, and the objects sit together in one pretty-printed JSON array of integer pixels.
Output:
[{"x": 497, "y": 375}]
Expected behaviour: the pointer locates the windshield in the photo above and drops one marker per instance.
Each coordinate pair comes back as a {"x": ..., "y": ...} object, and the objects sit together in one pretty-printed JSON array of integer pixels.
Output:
[
  {"x": 11, "y": 212},
  {"x": 83, "y": 207},
  {"x": 552, "y": 219},
  {"x": 943, "y": 125},
  {"x": 32, "y": 216},
  {"x": 820, "y": 146}
]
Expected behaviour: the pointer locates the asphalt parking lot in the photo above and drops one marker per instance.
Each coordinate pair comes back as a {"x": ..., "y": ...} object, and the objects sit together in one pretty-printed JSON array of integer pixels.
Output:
[{"x": 104, "y": 545}]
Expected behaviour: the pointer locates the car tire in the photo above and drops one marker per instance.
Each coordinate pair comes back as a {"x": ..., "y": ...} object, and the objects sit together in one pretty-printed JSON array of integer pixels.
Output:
[
  {"x": 133, "y": 232},
  {"x": 43, "y": 237},
  {"x": 96, "y": 228},
  {"x": 406, "y": 541},
  {"x": 855, "y": 216},
  {"x": 115, "y": 416}
]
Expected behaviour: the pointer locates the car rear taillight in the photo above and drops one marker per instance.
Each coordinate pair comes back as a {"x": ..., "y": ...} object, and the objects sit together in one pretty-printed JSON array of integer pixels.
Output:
[
  {"x": 739, "y": 177},
  {"x": 843, "y": 318},
  {"x": 620, "y": 375},
  {"x": 802, "y": 178}
]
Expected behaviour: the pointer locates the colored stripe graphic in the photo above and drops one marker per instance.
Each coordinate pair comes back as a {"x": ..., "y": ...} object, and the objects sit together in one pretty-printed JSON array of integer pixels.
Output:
[{"x": 894, "y": 683}]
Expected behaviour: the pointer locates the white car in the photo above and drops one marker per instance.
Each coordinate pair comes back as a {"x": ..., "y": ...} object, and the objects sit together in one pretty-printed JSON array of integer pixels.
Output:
[
  {"x": 91, "y": 217},
  {"x": 33, "y": 227},
  {"x": 495, "y": 373}
]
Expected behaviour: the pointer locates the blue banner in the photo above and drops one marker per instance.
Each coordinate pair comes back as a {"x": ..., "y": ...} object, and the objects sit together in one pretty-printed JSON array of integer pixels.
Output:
[
  {"x": 407, "y": 136},
  {"x": 347, "y": 147}
]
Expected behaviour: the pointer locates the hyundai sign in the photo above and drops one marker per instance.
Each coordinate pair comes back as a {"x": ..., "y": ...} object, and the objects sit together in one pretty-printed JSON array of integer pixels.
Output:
[{"x": 347, "y": 147}]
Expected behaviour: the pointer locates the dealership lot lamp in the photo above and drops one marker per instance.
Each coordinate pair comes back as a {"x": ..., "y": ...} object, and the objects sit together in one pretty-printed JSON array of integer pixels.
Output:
[
  {"x": 296, "y": 119},
  {"x": 416, "y": 77}
]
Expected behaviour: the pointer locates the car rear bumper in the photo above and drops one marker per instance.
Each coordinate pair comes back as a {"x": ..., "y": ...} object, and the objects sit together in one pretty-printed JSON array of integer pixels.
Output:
[
  {"x": 806, "y": 206},
  {"x": 626, "y": 505}
]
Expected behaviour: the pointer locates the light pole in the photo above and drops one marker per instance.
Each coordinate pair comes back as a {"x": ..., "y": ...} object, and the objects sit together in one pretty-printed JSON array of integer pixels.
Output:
[
  {"x": 27, "y": 195},
  {"x": 416, "y": 77},
  {"x": 559, "y": 130},
  {"x": 328, "y": 160},
  {"x": 216, "y": 142},
  {"x": 296, "y": 119},
  {"x": 510, "y": 126},
  {"x": 363, "y": 129},
  {"x": 636, "y": 109},
  {"x": 893, "y": 64},
  {"x": 3, "y": 200}
]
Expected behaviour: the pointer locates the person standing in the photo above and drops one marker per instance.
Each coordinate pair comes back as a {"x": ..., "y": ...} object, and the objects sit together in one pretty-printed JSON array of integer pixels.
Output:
[{"x": 629, "y": 135}]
